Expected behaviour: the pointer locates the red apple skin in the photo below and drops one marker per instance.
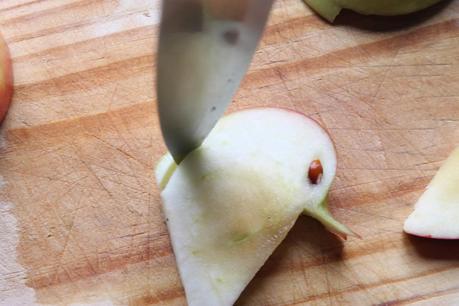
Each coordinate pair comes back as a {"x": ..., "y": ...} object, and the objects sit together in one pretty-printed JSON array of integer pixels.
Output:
[
  {"x": 432, "y": 237},
  {"x": 6, "y": 79}
]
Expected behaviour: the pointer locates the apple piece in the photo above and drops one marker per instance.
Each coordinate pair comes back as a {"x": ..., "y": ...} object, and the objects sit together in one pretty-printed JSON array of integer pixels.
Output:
[
  {"x": 436, "y": 213},
  {"x": 6, "y": 79},
  {"x": 231, "y": 202},
  {"x": 329, "y": 9}
]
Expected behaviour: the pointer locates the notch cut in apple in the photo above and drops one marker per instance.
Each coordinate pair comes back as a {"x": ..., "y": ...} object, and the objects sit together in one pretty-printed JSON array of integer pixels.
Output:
[
  {"x": 329, "y": 9},
  {"x": 436, "y": 214},
  {"x": 231, "y": 202}
]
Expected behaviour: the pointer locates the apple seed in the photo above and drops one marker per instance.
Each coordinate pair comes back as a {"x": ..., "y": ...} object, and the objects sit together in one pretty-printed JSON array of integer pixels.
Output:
[{"x": 315, "y": 172}]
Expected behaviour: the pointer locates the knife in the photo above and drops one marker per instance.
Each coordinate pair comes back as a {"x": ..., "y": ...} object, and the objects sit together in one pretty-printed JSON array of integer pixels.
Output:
[{"x": 205, "y": 48}]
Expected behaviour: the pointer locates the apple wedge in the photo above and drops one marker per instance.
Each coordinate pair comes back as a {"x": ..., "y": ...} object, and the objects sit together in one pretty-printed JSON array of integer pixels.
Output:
[
  {"x": 436, "y": 214},
  {"x": 231, "y": 202},
  {"x": 6, "y": 79},
  {"x": 329, "y": 9}
]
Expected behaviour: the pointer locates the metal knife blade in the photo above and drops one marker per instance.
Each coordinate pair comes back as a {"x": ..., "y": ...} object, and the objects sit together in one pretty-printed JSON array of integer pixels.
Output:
[{"x": 205, "y": 48}]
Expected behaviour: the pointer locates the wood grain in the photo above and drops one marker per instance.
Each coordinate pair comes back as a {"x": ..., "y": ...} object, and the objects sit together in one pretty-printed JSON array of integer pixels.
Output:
[{"x": 79, "y": 211}]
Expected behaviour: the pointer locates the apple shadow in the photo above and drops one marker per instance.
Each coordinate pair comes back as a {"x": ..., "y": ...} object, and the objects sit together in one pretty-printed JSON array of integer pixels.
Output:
[
  {"x": 435, "y": 249},
  {"x": 307, "y": 233},
  {"x": 388, "y": 23}
]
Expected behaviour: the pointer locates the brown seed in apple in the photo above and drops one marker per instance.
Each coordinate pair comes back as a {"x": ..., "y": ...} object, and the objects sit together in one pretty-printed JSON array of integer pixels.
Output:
[{"x": 315, "y": 172}]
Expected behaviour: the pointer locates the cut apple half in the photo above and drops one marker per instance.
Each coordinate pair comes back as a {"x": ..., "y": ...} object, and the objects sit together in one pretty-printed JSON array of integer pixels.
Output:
[
  {"x": 6, "y": 79},
  {"x": 329, "y": 9},
  {"x": 231, "y": 202},
  {"x": 436, "y": 214}
]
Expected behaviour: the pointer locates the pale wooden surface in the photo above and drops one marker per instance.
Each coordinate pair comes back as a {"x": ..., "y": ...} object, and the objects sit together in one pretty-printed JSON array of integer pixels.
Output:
[{"x": 80, "y": 215}]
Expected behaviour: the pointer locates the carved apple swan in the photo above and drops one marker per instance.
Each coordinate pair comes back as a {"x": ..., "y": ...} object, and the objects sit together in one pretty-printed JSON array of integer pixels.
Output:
[{"x": 231, "y": 202}]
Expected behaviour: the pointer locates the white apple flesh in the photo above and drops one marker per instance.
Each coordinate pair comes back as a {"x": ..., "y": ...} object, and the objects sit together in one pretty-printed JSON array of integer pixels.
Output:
[
  {"x": 231, "y": 202},
  {"x": 436, "y": 213}
]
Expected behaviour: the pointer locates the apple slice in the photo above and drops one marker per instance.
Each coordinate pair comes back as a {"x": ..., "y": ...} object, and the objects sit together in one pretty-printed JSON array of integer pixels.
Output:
[
  {"x": 329, "y": 9},
  {"x": 436, "y": 213},
  {"x": 231, "y": 202},
  {"x": 6, "y": 79}
]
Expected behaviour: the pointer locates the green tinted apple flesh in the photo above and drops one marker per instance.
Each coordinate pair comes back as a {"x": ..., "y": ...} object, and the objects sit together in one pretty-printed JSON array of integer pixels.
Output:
[
  {"x": 231, "y": 202},
  {"x": 329, "y": 9}
]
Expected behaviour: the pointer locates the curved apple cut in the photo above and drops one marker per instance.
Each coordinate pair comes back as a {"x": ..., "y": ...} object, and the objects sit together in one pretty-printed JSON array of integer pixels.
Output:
[
  {"x": 6, "y": 79},
  {"x": 231, "y": 202},
  {"x": 436, "y": 213},
  {"x": 329, "y": 9}
]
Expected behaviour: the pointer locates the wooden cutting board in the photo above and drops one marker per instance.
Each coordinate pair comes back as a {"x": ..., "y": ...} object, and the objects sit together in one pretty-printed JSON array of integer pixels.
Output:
[{"x": 80, "y": 219}]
